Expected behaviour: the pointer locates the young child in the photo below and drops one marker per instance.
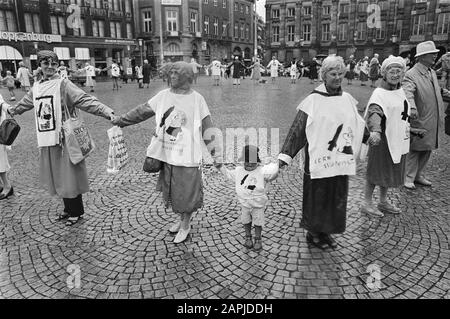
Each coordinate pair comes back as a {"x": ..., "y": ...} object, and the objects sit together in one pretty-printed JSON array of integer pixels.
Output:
[
  {"x": 251, "y": 188},
  {"x": 6, "y": 189},
  {"x": 8, "y": 80}
]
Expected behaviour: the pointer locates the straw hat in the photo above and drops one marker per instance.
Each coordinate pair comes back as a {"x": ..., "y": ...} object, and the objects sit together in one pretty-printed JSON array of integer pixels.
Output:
[{"x": 426, "y": 47}]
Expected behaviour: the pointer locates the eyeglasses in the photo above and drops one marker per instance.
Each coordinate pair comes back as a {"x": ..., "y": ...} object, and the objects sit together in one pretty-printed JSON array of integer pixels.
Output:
[{"x": 46, "y": 63}]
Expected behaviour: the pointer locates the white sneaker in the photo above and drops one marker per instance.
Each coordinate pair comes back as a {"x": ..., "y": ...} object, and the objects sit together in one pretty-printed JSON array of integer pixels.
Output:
[
  {"x": 182, "y": 235},
  {"x": 175, "y": 227},
  {"x": 371, "y": 211}
]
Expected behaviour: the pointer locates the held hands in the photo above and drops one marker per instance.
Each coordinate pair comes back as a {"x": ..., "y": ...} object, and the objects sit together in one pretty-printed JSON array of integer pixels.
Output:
[
  {"x": 375, "y": 138},
  {"x": 414, "y": 115}
]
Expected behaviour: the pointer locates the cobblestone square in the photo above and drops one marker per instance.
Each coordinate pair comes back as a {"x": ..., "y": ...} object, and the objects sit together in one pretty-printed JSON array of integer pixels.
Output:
[{"x": 122, "y": 247}]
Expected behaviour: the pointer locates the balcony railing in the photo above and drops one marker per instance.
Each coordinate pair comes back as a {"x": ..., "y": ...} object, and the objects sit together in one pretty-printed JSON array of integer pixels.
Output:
[
  {"x": 417, "y": 38},
  {"x": 440, "y": 37}
]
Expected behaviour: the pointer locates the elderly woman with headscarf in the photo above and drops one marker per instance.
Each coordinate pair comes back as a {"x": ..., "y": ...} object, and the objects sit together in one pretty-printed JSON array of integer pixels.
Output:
[
  {"x": 23, "y": 76},
  {"x": 182, "y": 117},
  {"x": 387, "y": 118},
  {"x": 330, "y": 129},
  {"x": 49, "y": 99}
]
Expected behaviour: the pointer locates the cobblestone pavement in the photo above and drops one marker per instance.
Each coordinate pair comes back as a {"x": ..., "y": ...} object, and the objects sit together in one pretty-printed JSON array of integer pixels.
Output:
[{"x": 123, "y": 249}]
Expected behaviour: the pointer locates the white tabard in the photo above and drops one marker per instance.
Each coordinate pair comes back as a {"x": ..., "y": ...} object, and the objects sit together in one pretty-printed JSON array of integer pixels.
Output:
[
  {"x": 334, "y": 131},
  {"x": 396, "y": 109},
  {"x": 178, "y": 136}
]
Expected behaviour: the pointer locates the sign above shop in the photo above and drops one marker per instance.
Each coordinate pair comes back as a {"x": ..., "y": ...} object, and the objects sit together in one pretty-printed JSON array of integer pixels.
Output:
[
  {"x": 24, "y": 36},
  {"x": 125, "y": 42},
  {"x": 171, "y": 2}
]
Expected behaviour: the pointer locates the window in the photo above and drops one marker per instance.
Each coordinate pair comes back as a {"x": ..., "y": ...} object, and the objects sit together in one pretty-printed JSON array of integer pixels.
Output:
[
  {"x": 443, "y": 26},
  {"x": 307, "y": 11},
  {"x": 307, "y": 32},
  {"x": 383, "y": 5},
  {"x": 381, "y": 33},
  {"x": 112, "y": 27},
  {"x": 362, "y": 7},
  {"x": 326, "y": 10},
  {"x": 419, "y": 1},
  {"x": 236, "y": 7},
  {"x": 291, "y": 33},
  {"x": 399, "y": 30},
  {"x": 345, "y": 8},
  {"x": 276, "y": 34},
  {"x": 129, "y": 31},
  {"x": 236, "y": 30},
  {"x": 247, "y": 9},
  {"x": 147, "y": 20},
  {"x": 215, "y": 3},
  {"x": 194, "y": 21},
  {"x": 118, "y": 29},
  {"x": 172, "y": 20},
  {"x": 342, "y": 31},
  {"x": 174, "y": 48},
  {"x": 216, "y": 26},
  {"x": 418, "y": 25},
  {"x": 291, "y": 12},
  {"x": 81, "y": 31},
  {"x": 242, "y": 31},
  {"x": 225, "y": 28},
  {"x": 224, "y": 4},
  {"x": 32, "y": 23},
  {"x": 361, "y": 30},
  {"x": 242, "y": 8},
  {"x": 98, "y": 28},
  {"x": 7, "y": 21},
  {"x": 205, "y": 1},
  {"x": 127, "y": 6},
  {"x": 206, "y": 22},
  {"x": 275, "y": 13},
  {"x": 326, "y": 32},
  {"x": 247, "y": 32},
  {"x": 58, "y": 25},
  {"x": 98, "y": 4}
]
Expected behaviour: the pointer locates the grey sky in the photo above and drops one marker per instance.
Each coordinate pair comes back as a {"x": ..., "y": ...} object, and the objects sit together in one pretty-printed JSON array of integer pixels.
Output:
[{"x": 260, "y": 8}]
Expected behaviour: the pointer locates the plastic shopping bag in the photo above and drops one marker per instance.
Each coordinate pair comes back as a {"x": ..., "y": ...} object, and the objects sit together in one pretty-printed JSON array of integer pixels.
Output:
[{"x": 118, "y": 153}]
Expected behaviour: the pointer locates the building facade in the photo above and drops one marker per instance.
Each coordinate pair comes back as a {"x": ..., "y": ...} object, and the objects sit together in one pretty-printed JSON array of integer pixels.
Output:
[
  {"x": 303, "y": 29},
  {"x": 79, "y": 31},
  {"x": 203, "y": 29}
]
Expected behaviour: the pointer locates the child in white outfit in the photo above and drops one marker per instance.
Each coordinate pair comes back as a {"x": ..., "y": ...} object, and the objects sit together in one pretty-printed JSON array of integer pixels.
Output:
[{"x": 251, "y": 188}]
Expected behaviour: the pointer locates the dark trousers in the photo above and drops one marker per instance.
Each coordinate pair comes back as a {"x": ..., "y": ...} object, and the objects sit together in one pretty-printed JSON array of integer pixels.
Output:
[{"x": 74, "y": 206}]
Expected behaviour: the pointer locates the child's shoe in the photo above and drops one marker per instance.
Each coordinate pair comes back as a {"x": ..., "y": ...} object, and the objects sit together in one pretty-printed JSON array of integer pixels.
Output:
[
  {"x": 258, "y": 244},
  {"x": 248, "y": 242}
]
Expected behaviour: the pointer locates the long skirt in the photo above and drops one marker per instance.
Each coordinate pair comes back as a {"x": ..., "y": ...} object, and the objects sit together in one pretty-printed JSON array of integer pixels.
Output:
[
  {"x": 90, "y": 81},
  {"x": 324, "y": 203},
  {"x": 59, "y": 175},
  {"x": 363, "y": 77},
  {"x": 182, "y": 188},
  {"x": 381, "y": 170}
]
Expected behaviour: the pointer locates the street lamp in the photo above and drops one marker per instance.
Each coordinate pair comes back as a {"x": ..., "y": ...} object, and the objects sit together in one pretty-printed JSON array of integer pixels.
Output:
[{"x": 140, "y": 47}]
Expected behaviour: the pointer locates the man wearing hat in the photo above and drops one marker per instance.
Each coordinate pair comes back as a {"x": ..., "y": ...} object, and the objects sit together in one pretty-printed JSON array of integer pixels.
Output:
[{"x": 422, "y": 90}]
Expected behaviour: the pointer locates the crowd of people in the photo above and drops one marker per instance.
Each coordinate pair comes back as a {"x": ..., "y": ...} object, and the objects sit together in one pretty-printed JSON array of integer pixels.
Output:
[{"x": 401, "y": 128}]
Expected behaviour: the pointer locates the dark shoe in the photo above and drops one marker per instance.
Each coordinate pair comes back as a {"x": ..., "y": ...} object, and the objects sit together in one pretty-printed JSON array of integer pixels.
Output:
[
  {"x": 248, "y": 242},
  {"x": 316, "y": 241},
  {"x": 258, "y": 244},
  {"x": 72, "y": 221},
  {"x": 423, "y": 181},
  {"x": 11, "y": 192},
  {"x": 330, "y": 241}
]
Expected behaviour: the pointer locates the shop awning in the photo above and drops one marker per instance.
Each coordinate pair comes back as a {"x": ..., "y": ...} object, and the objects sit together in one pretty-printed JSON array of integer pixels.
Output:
[
  {"x": 62, "y": 53},
  {"x": 9, "y": 53},
  {"x": 82, "y": 54}
]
